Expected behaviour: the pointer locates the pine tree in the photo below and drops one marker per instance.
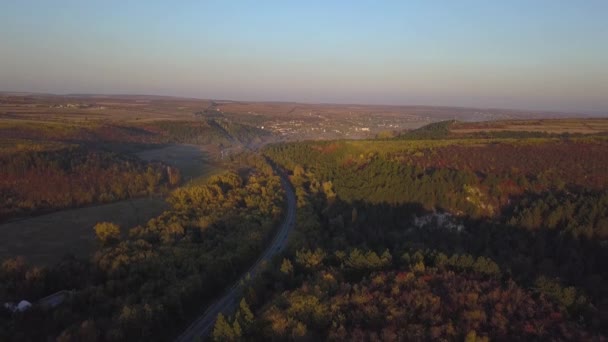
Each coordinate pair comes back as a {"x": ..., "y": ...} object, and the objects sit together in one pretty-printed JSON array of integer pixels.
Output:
[
  {"x": 236, "y": 327},
  {"x": 245, "y": 312}
]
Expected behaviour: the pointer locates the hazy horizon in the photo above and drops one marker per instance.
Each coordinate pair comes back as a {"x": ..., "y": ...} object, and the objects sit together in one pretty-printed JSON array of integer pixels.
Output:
[{"x": 548, "y": 55}]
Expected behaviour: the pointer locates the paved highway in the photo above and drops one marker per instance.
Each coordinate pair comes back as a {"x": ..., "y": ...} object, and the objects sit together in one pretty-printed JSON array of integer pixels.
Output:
[{"x": 226, "y": 304}]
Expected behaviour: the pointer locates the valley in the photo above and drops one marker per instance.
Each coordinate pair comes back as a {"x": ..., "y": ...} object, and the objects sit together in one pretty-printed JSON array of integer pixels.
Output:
[{"x": 198, "y": 233}]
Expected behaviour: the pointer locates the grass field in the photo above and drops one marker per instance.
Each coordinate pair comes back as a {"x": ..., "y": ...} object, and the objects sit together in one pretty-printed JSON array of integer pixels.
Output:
[{"x": 45, "y": 239}]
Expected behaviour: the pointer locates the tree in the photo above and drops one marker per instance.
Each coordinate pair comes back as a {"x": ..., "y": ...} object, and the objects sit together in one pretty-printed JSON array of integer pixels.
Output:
[
  {"x": 310, "y": 259},
  {"x": 236, "y": 327},
  {"x": 286, "y": 267},
  {"x": 298, "y": 171},
  {"x": 222, "y": 331},
  {"x": 107, "y": 232},
  {"x": 245, "y": 313}
]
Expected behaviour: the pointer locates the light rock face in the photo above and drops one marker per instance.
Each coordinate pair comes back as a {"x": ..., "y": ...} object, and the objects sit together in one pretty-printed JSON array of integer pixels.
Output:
[{"x": 438, "y": 221}]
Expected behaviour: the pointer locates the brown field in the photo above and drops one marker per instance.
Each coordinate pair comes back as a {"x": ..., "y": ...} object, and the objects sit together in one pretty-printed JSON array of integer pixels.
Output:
[
  {"x": 46, "y": 107},
  {"x": 93, "y": 107},
  {"x": 582, "y": 126}
]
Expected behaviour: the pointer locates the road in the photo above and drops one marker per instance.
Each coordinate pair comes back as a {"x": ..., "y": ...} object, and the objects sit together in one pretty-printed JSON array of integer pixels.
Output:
[{"x": 226, "y": 304}]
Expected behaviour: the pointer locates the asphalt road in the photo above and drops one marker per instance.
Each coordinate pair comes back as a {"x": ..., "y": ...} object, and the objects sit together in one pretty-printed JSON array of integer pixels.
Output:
[{"x": 227, "y": 303}]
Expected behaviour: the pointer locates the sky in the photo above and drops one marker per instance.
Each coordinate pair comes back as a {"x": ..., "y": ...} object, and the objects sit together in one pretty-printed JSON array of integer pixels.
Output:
[{"x": 540, "y": 55}]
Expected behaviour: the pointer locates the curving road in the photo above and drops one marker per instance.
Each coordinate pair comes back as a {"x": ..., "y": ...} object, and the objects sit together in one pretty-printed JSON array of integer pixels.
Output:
[{"x": 226, "y": 304}]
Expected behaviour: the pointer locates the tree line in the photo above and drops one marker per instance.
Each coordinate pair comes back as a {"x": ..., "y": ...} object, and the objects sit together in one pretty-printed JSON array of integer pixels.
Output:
[{"x": 41, "y": 181}]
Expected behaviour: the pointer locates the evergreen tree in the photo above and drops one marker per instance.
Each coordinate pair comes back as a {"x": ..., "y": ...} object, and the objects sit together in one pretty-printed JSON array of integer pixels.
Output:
[{"x": 222, "y": 331}]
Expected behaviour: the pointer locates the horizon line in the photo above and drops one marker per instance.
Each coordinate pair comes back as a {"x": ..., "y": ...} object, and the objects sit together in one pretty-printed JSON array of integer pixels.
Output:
[{"x": 180, "y": 97}]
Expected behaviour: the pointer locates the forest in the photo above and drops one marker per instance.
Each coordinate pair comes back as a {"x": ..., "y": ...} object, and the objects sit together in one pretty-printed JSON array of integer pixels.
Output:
[
  {"x": 425, "y": 241},
  {"x": 35, "y": 182},
  {"x": 148, "y": 284},
  {"x": 47, "y": 166}
]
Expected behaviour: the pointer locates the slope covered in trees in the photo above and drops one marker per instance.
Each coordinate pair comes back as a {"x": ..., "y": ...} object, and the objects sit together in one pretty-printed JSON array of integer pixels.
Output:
[{"x": 518, "y": 227}]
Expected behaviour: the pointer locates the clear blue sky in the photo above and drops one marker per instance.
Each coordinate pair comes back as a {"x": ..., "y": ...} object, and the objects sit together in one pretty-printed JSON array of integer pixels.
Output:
[{"x": 516, "y": 54}]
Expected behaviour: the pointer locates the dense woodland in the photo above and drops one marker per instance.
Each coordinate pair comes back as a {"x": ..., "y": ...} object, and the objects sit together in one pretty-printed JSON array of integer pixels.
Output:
[
  {"x": 148, "y": 285},
  {"x": 41, "y": 181},
  {"x": 392, "y": 247}
]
